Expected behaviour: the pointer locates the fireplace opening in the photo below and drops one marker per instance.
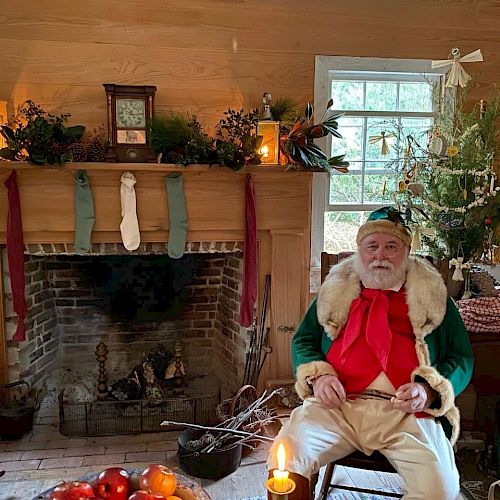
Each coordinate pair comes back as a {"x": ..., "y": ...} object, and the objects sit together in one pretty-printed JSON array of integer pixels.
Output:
[
  {"x": 135, "y": 305},
  {"x": 145, "y": 288}
]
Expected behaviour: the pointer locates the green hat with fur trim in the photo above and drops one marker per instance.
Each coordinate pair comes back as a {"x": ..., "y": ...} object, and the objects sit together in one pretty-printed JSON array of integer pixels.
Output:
[{"x": 386, "y": 220}]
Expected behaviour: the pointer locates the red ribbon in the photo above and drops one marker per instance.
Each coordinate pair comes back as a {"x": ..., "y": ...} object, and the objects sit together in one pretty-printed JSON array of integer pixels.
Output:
[{"x": 371, "y": 308}]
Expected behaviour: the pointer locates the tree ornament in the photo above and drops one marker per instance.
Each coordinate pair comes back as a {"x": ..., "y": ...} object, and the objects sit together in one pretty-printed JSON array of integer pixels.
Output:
[
  {"x": 487, "y": 221},
  {"x": 373, "y": 139},
  {"x": 416, "y": 188},
  {"x": 435, "y": 145},
  {"x": 457, "y": 75},
  {"x": 458, "y": 264}
]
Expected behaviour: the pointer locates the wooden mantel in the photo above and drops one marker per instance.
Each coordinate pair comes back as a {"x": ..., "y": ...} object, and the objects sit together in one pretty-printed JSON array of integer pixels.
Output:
[{"x": 215, "y": 204}]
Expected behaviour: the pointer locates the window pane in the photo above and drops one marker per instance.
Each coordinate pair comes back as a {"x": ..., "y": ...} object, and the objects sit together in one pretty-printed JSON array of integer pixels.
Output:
[
  {"x": 341, "y": 229},
  {"x": 351, "y": 143},
  {"x": 381, "y": 96},
  {"x": 418, "y": 128},
  {"x": 379, "y": 186},
  {"x": 346, "y": 188},
  {"x": 415, "y": 97},
  {"x": 347, "y": 94},
  {"x": 375, "y": 128}
]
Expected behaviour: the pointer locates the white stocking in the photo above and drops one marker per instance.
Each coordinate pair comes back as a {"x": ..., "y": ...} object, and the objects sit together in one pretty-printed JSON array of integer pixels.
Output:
[{"x": 129, "y": 226}]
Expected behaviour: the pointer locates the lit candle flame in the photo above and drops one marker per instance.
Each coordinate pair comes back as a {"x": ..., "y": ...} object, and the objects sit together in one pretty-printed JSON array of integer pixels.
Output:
[
  {"x": 281, "y": 482},
  {"x": 264, "y": 150}
]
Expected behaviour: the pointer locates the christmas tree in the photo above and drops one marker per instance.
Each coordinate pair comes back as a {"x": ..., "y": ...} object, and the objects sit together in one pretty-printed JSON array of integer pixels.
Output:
[{"x": 448, "y": 183}]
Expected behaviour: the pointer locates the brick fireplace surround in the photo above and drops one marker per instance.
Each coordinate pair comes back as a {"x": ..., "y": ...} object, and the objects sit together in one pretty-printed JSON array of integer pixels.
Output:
[
  {"x": 67, "y": 316},
  {"x": 65, "y": 321}
]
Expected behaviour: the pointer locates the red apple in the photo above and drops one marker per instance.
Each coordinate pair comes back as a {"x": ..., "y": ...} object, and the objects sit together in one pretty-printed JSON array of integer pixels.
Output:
[
  {"x": 158, "y": 479},
  {"x": 76, "y": 490},
  {"x": 145, "y": 495},
  {"x": 59, "y": 492},
  {"x": 113, "y": 484}
]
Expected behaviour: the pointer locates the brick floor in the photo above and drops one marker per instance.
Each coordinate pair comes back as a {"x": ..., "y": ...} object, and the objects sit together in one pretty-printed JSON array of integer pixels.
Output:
[{"x": 43, "y": 457}]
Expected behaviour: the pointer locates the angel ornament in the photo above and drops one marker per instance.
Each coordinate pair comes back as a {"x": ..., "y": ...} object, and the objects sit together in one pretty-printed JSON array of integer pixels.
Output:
[
  {"x": 457, "y": 75},
  {"x": 373, "y": 139},
  {"x": 459, "y": 264}
]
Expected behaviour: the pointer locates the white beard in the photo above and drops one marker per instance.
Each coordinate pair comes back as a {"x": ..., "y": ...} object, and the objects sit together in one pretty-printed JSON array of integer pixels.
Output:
[{"x": 382, "y": 279}]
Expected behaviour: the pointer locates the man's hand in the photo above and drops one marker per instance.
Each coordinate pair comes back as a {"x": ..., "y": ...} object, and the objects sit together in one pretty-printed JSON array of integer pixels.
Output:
[
  {"x": 329, "y": 391},
  {"x": 414, "y": 397}
]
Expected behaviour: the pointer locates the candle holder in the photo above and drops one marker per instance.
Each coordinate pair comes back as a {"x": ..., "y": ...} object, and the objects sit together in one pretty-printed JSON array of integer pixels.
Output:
[{"x": 279, "y": 495}]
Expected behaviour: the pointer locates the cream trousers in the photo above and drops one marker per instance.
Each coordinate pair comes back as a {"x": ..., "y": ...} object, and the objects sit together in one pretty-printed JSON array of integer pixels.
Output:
[{"x": 416, "y": 447}]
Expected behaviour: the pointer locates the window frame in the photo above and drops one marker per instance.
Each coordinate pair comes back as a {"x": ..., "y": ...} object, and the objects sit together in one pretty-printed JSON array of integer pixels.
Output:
[{"x": 325, "y": 67}]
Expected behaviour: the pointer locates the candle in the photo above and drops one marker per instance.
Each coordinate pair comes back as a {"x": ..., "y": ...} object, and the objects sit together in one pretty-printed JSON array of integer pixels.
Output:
[
  {"x": 281, "y": 481},
  {"x": 492, "y": 183},
  {"x": 280, "y": 484},
  {"x": 264, "y": 150}
]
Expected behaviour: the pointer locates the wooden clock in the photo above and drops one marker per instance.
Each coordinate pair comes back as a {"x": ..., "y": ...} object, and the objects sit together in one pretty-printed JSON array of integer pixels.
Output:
[{"x": 129, "y": 108}]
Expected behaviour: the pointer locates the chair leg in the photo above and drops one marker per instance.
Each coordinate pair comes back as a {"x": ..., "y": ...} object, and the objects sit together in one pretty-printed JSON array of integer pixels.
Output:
[
  {"x": 327, "y": 481},
  {"x": 312, "y": 483}
]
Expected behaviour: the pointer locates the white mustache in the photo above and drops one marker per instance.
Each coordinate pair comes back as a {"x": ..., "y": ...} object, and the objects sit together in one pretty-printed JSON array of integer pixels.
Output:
[{"x": 381, "y": 263}]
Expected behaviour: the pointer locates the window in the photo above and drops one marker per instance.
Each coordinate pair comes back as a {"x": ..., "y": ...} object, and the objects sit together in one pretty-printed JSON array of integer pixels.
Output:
[{"x": 376, "y": 96}]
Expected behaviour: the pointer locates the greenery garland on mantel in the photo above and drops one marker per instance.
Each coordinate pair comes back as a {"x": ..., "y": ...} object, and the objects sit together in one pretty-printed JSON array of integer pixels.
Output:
[{"x": 41, "y": 138}]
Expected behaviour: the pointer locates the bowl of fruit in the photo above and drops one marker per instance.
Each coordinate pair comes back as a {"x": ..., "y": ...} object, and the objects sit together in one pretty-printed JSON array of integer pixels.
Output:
[{"x": 155, "y": 482}]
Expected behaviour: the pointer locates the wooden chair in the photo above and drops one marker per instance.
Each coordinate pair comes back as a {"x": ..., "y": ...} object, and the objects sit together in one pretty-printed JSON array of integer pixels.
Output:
[{"x": 357, "y": 460}]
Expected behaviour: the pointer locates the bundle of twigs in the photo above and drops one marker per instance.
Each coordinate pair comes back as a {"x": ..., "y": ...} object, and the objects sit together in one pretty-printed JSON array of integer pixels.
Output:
[{"x": 229, "y": 433}]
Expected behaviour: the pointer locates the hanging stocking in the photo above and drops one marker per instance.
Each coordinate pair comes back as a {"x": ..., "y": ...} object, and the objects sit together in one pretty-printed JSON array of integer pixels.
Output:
[
  {"x": 15, "y": 254},
  {"x": 177, "y": 215},
  {"x": 84, "y": 213},
  {"x": 249, "y": 294},
  {"x": 129, "y": 226}
]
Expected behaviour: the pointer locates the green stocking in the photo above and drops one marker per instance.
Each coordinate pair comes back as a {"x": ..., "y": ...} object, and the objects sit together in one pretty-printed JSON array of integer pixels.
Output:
[
  {"x": 84, "y": 213},
  {"x": 177, "y": 214}
]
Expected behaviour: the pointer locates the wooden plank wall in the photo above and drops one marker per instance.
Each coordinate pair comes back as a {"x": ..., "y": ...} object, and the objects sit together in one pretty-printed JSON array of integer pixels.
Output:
[{"x": 207, "y": 55}]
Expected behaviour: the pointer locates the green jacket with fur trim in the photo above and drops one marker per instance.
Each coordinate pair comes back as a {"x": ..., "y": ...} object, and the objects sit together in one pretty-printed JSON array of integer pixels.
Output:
[{"x": 442, "y": 345}]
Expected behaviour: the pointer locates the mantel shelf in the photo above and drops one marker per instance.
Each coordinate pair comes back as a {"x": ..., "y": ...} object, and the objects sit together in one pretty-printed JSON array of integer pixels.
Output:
[{"x": 157, "y": 167}]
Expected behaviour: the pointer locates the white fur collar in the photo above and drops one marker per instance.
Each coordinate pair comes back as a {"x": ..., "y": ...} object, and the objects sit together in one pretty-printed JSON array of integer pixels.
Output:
[{"x": 426, "y": 296}]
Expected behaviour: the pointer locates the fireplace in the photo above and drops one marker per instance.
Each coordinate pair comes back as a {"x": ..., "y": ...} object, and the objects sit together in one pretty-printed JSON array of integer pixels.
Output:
[
  {"x": 134, "y": 303},
  {"x": 215, "y": 204}
]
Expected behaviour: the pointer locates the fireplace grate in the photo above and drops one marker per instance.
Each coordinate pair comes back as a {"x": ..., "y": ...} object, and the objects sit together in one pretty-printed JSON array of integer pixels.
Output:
[{"x": 103, "y": 418}]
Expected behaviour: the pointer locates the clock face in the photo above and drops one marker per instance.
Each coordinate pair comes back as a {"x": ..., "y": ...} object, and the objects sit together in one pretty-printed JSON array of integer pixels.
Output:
[{"x": 130, "y": 113}]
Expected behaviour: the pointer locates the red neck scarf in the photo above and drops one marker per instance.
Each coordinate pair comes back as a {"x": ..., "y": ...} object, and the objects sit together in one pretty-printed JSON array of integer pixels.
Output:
[{"x": 371, "y": 308}]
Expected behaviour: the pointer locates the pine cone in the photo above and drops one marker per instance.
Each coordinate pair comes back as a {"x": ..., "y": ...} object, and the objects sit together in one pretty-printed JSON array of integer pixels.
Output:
[
  {"x": 96, "y": 144},
  {"x": 77, "y": 152},
  {"x": 96, "y": 151},
  {"x": 173, "y": 157}
]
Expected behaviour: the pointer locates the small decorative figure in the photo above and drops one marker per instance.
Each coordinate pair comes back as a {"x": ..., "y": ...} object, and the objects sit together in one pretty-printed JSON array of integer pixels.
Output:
[
  {"x": 176, "y": 371},
  {"x": 101, "y": 354},
  {"x": 266, "y": 100}
]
